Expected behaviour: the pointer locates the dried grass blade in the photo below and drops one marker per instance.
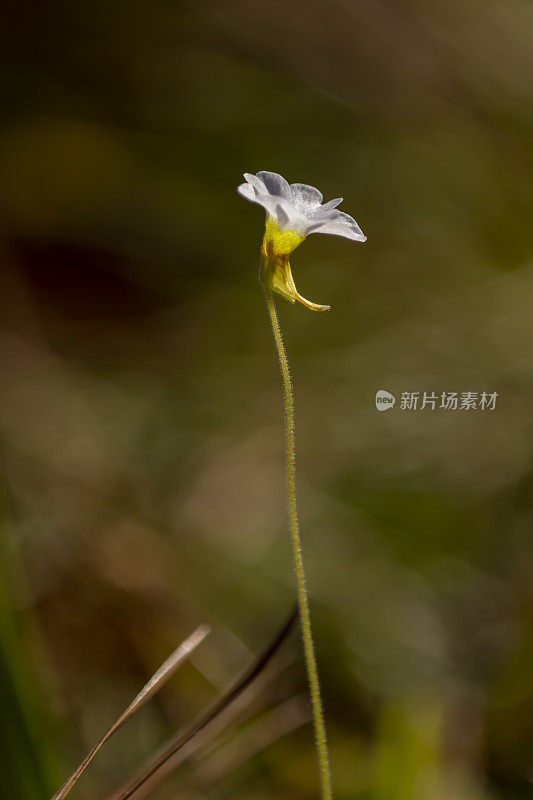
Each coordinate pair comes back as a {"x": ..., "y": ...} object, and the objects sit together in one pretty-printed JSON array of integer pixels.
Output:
[
  {"x": 165, "y": 671},
  {"x": 208, "y": 716}
]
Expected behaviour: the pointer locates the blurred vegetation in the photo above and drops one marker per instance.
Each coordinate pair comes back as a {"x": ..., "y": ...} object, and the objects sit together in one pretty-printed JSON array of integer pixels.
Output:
[{"x": 140, "y": 413}]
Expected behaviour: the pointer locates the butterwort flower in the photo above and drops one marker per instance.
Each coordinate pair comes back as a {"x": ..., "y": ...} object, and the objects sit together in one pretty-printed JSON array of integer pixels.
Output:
[{"x": 293, "y": 212}]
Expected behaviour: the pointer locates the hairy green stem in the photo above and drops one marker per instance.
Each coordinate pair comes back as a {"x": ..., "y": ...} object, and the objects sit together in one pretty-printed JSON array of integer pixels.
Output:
[{"x": 303, "y": 601}]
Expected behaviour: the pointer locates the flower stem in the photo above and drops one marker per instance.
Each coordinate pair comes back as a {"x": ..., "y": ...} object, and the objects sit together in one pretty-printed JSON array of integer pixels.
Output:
[{"x": 303, "y": 601}]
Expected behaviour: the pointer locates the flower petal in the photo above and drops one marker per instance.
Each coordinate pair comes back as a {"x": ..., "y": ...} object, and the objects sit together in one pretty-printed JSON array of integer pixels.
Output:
[
  {"x": 305, "y": 198},
  {"x": 276, "y": 207},
  {"x": 254, "y": 181},
  {"x": 338, "y": 223},
  {"x": 298, "y": 207},
  {"x": 247, "y": 191},
  {"x": 275, "y": 184},
  {"x": 282, "y": 217},
  {"x": 329, "y": 206}
]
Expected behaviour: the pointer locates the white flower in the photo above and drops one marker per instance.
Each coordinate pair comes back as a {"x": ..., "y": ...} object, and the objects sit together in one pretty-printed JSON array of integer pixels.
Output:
[
  {"x": 293, "y": 212},
  {"x": 298, "y": 206}
]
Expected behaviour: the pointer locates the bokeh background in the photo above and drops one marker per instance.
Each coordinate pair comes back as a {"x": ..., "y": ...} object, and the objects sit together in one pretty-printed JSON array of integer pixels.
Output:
[{"x": 140, "y": 420}]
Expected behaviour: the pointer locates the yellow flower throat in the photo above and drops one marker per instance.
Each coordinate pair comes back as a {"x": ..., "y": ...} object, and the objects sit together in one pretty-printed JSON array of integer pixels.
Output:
[{"x": 275, "y": 267}]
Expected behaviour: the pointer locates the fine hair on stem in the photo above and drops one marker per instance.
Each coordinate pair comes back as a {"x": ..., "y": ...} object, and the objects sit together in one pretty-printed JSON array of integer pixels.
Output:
[{"x": 303, "y": 600}]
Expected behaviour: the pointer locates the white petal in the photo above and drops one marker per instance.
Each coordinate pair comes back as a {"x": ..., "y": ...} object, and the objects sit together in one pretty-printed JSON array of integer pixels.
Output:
[
  {"x": 337, "y": 229},
  {"x": 298, "y": 206},
  {"x": 305, "y": 198},
  {"x": 247, "y": 191},
  {"x": 275, "y": 184},
  {"x": 282, "y": 217},
  {"x": 340, "y": 224},
  {"x": 329, "y": 206},
  {"x": 254, "y": 181},
  {"x": 277, "y": 207}
]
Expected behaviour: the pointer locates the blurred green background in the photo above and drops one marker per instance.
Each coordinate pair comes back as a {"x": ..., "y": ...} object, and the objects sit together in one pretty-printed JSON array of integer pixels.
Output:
[{"x": 140, "y": 419}]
